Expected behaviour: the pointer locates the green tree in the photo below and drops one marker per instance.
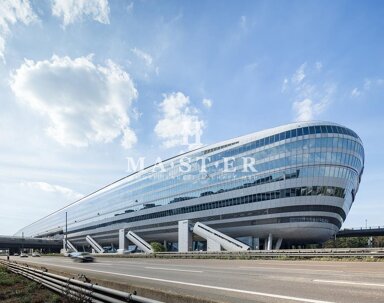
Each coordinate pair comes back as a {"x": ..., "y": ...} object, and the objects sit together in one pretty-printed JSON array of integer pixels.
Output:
[{"x": 157, "y": 247}]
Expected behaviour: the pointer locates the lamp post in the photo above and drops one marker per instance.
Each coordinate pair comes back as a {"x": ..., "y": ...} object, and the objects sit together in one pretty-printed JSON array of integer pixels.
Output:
[{"x": 66, "y": 231}]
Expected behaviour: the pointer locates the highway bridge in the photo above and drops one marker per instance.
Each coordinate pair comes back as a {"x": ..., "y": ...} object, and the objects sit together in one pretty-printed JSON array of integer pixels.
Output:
[
  {"x": 17, "y": 243},
  {"x": 361, "y": 232}
]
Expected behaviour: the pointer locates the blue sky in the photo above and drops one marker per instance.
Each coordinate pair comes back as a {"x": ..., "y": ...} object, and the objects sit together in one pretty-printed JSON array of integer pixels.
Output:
[{"x": 86, "y": 84}]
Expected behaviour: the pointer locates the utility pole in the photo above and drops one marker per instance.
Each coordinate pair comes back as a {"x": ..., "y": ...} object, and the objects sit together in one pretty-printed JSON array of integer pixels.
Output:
[{"x": 66, "y": 231}]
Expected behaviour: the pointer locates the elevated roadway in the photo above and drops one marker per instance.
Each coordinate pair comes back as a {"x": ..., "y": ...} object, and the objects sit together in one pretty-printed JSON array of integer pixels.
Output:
[
  {"x": 361, "y": 232},
  {"x": 12, "y": 242}
]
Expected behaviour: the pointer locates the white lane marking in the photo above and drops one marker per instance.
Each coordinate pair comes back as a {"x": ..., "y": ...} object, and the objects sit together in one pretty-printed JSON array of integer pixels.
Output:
[
  {"x": 290, "y": 269},
  {"x": 296, "y": 264},
  {"x": 173, "y": 269},
  {"x": 349, "y": 283},
  {"x": 262, "y": 294},
  {"x": 107, "y": 264}
]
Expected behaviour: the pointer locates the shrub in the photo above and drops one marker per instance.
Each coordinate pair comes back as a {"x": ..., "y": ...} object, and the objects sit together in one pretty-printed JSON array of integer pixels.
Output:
[{"x": 157, "y": 247}]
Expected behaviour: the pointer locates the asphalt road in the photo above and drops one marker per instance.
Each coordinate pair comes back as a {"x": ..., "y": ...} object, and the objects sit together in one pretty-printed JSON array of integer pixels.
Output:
[{"x": 239, "y": 280}]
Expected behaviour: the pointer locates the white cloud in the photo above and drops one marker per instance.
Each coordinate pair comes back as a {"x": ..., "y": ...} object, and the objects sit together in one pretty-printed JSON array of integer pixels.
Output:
[
  {"x": 355, "y": 92},
  {"x": 243, "y": 23},
  {"x": 84, "y": 103},
  {"x": 369, "y": 85},
  {"x": 311, "y": 96},
  {"x": 304, "y": 110},
  {"x": 179, "y": 121},
  {"x": 285, "y": 85},
  {"x": 46, "y": 187},
  {"x": 147, "y": 58},
  {"x": 299, "y": 75},
  {"x": 318, "y": 65},
  {"x": 207, "y": 103},
  {"x": 11, "y": 12},
  {"x": 130, "y": 7},
  {"x": 72, "y": 11}
]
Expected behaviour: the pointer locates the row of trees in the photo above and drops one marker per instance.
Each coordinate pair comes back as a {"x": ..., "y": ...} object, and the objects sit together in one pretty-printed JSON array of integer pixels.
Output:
[{"x": 355, "y": 242}]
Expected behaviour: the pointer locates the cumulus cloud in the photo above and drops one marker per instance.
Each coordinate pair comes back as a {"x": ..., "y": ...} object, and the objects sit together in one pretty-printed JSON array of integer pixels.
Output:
[
  {"x": 207, "y": 103},
  {"x": 11, "y": 12},
  {"x": 71, "y": 11},
  {"x": 179, "y": 121},
  {"x": 83, "y": 102},
  {"x": 46, "y": 187},
  {"x": 310, "y": 93}
]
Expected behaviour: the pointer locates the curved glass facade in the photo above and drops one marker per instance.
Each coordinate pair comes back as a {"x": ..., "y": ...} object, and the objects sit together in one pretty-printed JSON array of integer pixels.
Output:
[{"x": 300, "y": 164}]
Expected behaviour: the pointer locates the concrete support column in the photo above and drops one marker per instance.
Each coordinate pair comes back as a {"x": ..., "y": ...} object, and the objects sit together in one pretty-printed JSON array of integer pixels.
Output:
[
  {"x": 123, "y": 241},
  {"x": 184, "y": 236},
  {"x": 256, "y": 243},
  {"x": 269, "y": 242},
  {"x": 278, "y": 243},
  {"x": 213, "y": 245}
]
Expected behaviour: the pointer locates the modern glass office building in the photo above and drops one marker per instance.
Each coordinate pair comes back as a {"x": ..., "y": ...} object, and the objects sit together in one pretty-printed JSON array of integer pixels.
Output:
[{"x": 296, "y": 182}]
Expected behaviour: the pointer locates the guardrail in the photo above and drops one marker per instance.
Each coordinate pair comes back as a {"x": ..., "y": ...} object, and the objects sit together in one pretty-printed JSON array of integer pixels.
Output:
[
  {"x": 300, "y": 253},
  {"x": 77, "y": 290},
  {"x": 363, "y": 227}
]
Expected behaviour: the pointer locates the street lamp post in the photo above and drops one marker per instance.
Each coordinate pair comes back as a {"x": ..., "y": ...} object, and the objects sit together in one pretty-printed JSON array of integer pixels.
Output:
[{"x": 66, "y": 231}]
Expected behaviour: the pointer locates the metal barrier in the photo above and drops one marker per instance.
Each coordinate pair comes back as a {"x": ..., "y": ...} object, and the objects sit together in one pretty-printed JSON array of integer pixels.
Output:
[
  {"x": 78, "y": 290},
  {"x": 299, "y": 253}
]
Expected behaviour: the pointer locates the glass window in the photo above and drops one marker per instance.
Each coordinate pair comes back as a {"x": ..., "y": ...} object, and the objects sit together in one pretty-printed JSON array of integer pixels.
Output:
[
  {"x": 299, "y": 131},
  {"x": 317, "y": 129},
  {"x": 312, "y": 130},
  {"x": 276, "y": 139}
]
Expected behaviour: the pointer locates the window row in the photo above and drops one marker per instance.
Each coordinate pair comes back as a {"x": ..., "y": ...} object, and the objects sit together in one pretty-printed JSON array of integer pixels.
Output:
[{"x": 271, "y": 195}]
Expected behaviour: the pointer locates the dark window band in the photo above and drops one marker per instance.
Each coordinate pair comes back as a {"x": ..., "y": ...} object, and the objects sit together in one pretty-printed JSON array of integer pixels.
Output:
[
  {"x": 271, "y": 195},
  {"x": 293, "y": 133}
]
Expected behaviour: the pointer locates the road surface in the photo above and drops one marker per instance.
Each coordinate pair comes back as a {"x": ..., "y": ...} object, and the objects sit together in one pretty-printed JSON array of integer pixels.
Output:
[{"x": 238, "y": 280}]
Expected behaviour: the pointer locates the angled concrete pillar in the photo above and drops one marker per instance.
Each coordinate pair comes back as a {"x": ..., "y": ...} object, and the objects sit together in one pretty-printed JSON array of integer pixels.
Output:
[
  {"x": 70, "y": 246},
  {"x": 184, "y": 236},
  {"x": 226, "y": 242},
  {"x": 96, "y": 246},
  {"x": 213, "y": 245},
  {"x": 269, "y": 242},
  {"x": 123, "y": 241},
  {"x": 139, "y": 242},
  {"x": 278, "y": 243}
]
